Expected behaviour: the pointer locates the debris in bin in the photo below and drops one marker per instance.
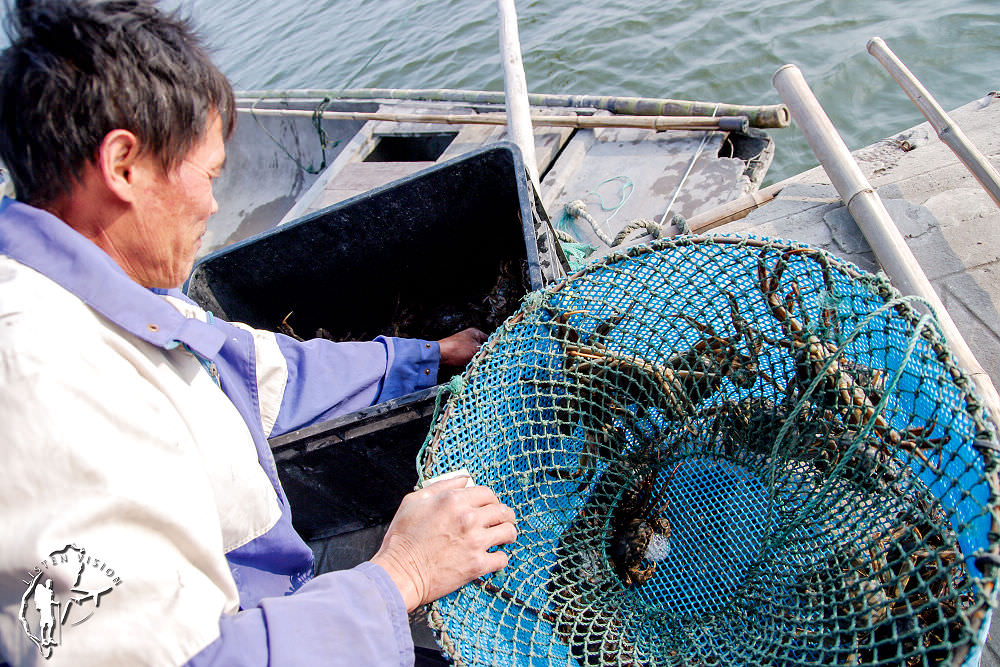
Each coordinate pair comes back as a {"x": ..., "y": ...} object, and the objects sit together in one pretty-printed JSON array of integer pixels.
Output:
[{"x": 412, "y": 318}]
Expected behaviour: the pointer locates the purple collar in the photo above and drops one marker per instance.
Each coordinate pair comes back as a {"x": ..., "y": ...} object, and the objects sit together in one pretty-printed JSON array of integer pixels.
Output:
[{"x": 48, "y": 245}]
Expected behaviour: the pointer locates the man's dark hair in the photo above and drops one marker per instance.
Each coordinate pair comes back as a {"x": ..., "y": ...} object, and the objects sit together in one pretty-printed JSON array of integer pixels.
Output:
[{"x": 78, "y": 69}]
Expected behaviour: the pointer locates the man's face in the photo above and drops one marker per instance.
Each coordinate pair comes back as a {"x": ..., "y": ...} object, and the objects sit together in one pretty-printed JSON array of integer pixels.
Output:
[{"x": 172, "y": 210}]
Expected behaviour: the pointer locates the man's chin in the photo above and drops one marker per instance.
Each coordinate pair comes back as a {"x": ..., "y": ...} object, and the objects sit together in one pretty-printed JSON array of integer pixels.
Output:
[{"x": 171, "y": 281}]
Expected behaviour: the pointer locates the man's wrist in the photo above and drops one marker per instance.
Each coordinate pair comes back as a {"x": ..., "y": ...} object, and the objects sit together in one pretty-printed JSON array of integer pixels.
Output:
[{"x": 403, "y": 582}]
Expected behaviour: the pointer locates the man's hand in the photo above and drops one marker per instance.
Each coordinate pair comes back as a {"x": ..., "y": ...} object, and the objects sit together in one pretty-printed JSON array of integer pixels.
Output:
[
  {"x": 438, "y": 540},
  {"x": 457, "y": 349}
]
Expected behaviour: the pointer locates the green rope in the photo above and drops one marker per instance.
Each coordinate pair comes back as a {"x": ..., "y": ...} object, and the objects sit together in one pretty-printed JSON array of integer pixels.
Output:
[
  {"x": 628, "y": 187},
  {"x": 577, "y": 254},
  {"x": 577, "y": 209},
  {"x": 324, "y": 138}
]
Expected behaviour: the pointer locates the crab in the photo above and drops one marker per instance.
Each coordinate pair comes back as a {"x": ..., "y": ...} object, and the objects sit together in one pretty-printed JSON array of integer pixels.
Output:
[
  {"x": 703, "y": 366},
  {"x": 894, "y": 596},
  {"x": 606, "y": 394},
  {"x": 638, "y": 516},
  {"x": 848, "y": 390},
  {"x": 676, "y": 385},
  {"x": 910, "y": 575},
  {"x": 613, "y": 528},
  {"x": 610, "y": 391}
]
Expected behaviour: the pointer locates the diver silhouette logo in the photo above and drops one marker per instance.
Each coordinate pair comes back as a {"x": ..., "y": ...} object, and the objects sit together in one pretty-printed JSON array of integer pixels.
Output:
[{"x": 65, "y": 588}]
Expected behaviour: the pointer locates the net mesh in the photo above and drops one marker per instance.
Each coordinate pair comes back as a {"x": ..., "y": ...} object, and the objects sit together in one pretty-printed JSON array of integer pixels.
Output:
[{"x": 723, "y": 451}]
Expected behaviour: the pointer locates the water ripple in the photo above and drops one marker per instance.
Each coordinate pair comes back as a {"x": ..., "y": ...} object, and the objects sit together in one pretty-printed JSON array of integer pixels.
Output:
[{"x": 698, "y": 49}]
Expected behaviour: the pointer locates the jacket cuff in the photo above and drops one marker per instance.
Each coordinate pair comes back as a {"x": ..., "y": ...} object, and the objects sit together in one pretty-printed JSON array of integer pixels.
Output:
[{"x": 413, "y": 365}]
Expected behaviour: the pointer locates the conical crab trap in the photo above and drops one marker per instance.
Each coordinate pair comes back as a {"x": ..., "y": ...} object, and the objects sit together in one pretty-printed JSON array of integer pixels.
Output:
[{"x": 724, "y": 451}]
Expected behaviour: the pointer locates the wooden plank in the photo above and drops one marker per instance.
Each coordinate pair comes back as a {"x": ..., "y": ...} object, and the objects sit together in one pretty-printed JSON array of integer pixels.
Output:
[
  {"x": 359, "y": 177},
  {"x": 471, "y": 137},
  {"x": 358, "y": 147}
]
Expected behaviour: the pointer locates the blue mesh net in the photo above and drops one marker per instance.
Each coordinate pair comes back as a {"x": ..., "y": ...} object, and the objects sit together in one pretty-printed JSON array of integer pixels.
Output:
[{"x": 725, "y": 451}]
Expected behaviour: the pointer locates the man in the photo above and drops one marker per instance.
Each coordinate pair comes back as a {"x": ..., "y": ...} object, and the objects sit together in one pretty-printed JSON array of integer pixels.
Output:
[
  {"x": 43, "y": 605},
  {"x": 135, "y": 424}
]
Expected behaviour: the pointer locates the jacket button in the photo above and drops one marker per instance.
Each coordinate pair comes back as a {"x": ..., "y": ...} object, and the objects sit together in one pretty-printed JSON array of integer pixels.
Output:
[
  {"x": 153, "y": 327},
  {"x": 427, "y": 371}
]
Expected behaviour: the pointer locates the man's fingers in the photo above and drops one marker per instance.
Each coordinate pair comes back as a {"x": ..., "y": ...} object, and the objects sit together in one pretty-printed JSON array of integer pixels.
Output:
[
  {"x": 496, "y": 514},
  {"x": 475, "y": 496},
  {"x": 480, "y": 496},
  {"x": 504, "y": 533},
  {"x": 495, "y": 560}
]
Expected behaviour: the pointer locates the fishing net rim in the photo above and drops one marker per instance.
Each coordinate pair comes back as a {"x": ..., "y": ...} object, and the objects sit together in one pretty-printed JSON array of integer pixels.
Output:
[{"x": 877, "y": 284}]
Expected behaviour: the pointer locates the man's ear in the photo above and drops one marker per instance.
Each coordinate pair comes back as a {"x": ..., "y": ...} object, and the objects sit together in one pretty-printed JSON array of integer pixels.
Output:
[{"x": 116, "y": 161}]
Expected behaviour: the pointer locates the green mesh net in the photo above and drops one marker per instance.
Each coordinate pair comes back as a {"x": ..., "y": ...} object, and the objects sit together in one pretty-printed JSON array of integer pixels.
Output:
[{"x": 724, "y": 451}]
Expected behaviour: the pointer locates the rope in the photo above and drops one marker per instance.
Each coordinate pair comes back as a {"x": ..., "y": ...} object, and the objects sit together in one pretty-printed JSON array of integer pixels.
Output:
[
  {"x": 575, "y": 251},
  {"x": 324, "y": 138},
  {"x": 628, "y": 187},
  {"x": 298, "y": 163},
  {"x": 656, "y": 229},
  {"x": 577, "y": 254},
  {"x": 653, "y": 229},
  {"x": 577, "y": 209},
  {"x": 694, "y": 159}
]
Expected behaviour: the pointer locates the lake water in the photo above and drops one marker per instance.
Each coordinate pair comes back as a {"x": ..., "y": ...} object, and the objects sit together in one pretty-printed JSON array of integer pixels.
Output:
[{"x": 691, "y": 49}]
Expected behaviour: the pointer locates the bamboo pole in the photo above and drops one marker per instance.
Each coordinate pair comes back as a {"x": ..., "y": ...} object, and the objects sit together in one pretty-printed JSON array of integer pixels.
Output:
[
  {"x": 763, "y": 116},
  {"x": 721, "y": 123},
  {"x": 950, "y": 133},
  {"x": 516, "y": 89},
  {"x": 736, "y": 209},
  {"x": 873, "y": 219}
]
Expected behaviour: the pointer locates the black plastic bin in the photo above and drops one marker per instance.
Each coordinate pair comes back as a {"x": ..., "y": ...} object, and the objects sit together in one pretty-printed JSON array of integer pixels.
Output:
[{"x": 451, "y": 246}]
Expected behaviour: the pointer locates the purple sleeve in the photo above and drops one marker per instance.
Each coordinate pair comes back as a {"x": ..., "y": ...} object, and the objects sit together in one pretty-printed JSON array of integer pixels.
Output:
[
  {"x": 327, "y": 379},
  {"x": 352, "y": 617}
]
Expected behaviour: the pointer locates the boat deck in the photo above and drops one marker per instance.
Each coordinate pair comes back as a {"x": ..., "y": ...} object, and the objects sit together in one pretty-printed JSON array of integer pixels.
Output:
[{"x": 278, "y": 170}]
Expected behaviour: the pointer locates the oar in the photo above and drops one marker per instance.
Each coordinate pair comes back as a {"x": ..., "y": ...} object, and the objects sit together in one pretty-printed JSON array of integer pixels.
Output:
[
  {"x": 888, "y": 244},
  {"x": 515, "y": 87}
]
